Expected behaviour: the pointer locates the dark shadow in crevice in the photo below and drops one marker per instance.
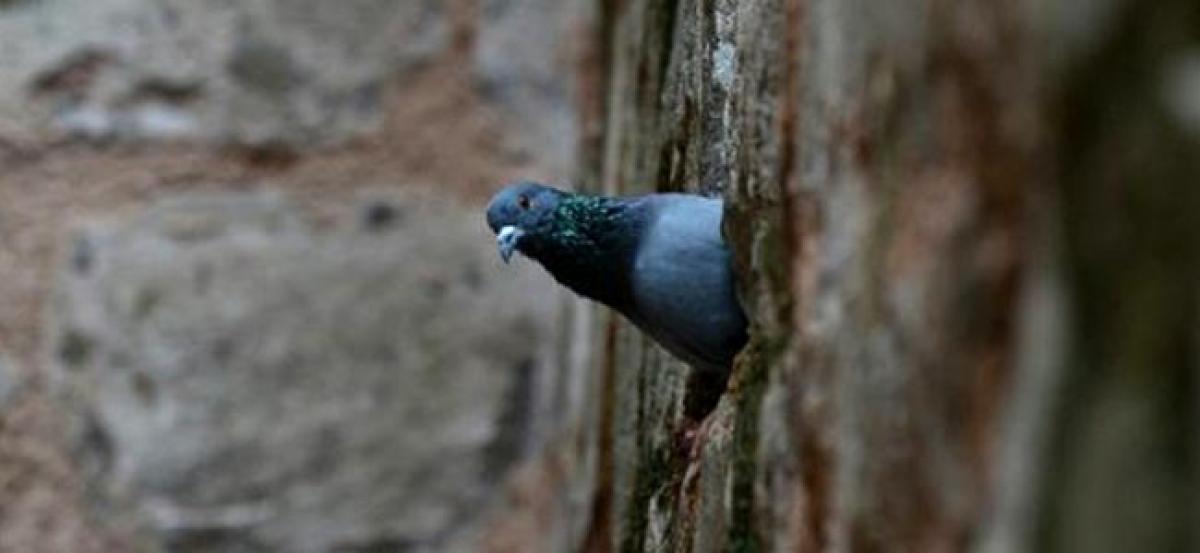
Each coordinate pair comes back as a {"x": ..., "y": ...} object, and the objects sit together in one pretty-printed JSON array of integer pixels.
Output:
[{"x": 702, "y": 392}]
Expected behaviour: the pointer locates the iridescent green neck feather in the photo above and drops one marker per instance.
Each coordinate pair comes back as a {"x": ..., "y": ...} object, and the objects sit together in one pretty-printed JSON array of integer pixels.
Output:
[{"x": 587, "y": 243}]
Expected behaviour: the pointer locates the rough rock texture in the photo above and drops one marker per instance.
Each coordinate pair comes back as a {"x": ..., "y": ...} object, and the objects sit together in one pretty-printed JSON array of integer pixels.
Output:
[
  {"x": 255, "y": 72},
  {"x": 248, "y": 384},
  {"x": 266, "y": 73},
  {"x": 966, "y": 236}
]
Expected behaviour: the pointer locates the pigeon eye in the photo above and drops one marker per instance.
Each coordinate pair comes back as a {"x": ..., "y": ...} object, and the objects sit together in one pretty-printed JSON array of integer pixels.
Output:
[{"x": 523, "y": 202}]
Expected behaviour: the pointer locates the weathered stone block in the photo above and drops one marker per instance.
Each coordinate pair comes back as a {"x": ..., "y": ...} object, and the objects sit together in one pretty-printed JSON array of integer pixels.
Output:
[{"x": 242, "y": 381}]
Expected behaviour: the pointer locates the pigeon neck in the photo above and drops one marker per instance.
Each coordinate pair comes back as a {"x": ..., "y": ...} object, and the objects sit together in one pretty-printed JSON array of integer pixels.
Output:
[{"x": 587, "y": 243}]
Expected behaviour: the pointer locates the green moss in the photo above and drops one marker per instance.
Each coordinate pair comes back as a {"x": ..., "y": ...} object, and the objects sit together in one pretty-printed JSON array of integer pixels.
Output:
[{"x": 750, "y": 385}]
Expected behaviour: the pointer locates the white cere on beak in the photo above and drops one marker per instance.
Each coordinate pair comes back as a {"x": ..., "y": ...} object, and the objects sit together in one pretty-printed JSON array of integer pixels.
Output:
[{"x": 507, "y": 239}]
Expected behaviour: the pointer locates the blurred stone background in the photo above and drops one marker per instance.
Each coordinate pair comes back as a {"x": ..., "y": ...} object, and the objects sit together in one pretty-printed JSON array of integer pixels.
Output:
[{"x": 248, "y": 303}]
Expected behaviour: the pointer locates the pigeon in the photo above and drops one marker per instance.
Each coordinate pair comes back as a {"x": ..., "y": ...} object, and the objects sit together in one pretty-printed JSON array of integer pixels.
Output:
[{"x": 659, "y": 260}]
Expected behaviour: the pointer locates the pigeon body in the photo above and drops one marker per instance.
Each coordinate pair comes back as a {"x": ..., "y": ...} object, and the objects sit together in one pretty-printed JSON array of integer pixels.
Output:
[{"x": 659, "y": 260}]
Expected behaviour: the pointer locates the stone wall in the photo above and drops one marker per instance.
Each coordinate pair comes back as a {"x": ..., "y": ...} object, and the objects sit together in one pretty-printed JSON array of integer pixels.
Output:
[
  {"x": 965, "y": 235},
  {"x": 248, "y": 301}
]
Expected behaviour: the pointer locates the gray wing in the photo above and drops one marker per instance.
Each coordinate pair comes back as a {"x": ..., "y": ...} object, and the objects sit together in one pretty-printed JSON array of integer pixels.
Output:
[{"x": 683, "y": 287}]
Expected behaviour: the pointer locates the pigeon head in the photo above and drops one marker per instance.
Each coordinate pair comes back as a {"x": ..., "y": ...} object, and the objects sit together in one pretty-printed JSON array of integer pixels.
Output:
[
  {"x": 582, "y": 240},
  {"x": 521, "y": 216}
]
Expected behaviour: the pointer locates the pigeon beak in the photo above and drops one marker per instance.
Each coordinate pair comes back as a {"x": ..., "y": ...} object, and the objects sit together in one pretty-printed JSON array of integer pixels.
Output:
[{"x": 507, "y": 240}]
